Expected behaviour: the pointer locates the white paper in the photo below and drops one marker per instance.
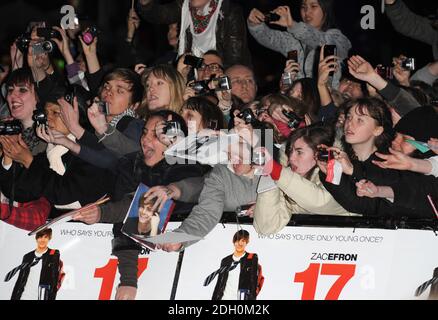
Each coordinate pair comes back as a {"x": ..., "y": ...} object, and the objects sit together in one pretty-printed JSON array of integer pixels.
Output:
[
  {"x": 266, "y": 184},
  {"x": 205, "y": 149},
  {"x": 172, "y": 237}
]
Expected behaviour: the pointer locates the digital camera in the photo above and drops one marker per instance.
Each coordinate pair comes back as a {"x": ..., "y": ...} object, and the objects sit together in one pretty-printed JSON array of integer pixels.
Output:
[
  {"x": 324, "y": 155},
  {"x": 172, "y": 129},
  {"x": 193, "y": 61},
  {"x": 90, "y": 34},
  {"x": 23, "y": 42},
  {"x": 248, "y": 116},
  {"x": 10, "y": 128},
  {"x": 221, "y": 83},
  {"x": 200, "y": 87},
  {"x": 294, "y": 119},
  {"x": 271, "y": 17},
  {"x": 39, "y": 117},
  {"x": 103, "y": 107},
  {"x": 258, "y": 158},
  {"x": 384, "y": 72},
  {"x": 42, "y": 47},
  {"x": 408, "y": 64},
  {"x": 287, "y": 79}
]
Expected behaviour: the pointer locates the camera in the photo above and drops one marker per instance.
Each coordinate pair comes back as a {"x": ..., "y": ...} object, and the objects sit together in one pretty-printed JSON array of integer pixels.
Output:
[
  {"x": 258, "y": 158},
  {"x": 172, "y": 129},
  {"x": 221, "y": 83},
  {"x": 248, "y": 116},
  {"x": 90, "y": 34},
  {"x": 242, "y": 211},
  {"x": 384, "y": 72},
  {"x": 294, "y": 119},
  {"x": 217, "y": 84},
  {"x": 408, "y": 64},
  {"x": 23, "y": 42},
  {"x": 48, "y": 33},
  {"x": 10, "y": 128},
  {"x": 103, "y": 107},
  {"x": 42, "y": 47},
  {"x": 324, "y": 155},
  {"x": 193, "y": 61},
  {"x": 200, "y": 87},
  {"x": 271, "y": 17},
  {"x": 69, "y": 96},
  {"x": 293, "y": 55},
  {"x": 39, "y": 117},
  {"x": 286, "y": 79}
]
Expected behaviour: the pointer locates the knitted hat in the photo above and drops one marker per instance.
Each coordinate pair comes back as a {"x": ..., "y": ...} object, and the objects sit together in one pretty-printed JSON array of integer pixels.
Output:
[{"x": 421, "y": 124}]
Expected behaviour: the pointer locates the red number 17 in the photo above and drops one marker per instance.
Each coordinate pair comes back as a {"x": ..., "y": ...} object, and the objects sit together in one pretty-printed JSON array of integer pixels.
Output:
[
  {"x": 108, "y": 274},
  {"x": 310, "y": 279}
]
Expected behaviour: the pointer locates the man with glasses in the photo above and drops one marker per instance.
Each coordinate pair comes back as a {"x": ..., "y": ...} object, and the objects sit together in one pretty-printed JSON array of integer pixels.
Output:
[{"x": 212, "y": 66}]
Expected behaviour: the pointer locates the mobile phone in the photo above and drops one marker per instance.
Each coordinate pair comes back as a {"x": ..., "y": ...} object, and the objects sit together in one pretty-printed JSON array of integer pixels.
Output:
[
  {"x": 330, "y": 50},
  {"x": 293, "y": 55},
  {"x": 193, "y": 61}
]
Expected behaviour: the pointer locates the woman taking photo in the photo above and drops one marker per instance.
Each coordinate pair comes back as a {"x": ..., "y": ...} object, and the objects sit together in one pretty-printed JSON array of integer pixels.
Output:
[
  {"x": 299, "y": 189},
  {"x": 317, "y": 28}
]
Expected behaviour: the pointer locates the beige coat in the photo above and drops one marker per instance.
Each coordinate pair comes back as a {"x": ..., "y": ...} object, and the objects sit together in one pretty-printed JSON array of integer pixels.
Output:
[{"x": 294, "y": 195}]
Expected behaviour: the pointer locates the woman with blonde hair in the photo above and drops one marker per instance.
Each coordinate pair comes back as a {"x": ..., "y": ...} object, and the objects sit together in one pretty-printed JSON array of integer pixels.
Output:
[{"x": 164, "y": 89}]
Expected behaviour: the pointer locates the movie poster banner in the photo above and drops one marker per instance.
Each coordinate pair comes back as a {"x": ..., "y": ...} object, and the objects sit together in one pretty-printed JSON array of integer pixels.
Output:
[{"x": 298, "y": 263}]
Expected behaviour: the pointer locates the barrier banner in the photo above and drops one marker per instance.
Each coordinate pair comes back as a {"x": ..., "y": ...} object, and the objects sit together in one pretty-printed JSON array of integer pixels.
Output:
[{"x": 298, "y": 263}]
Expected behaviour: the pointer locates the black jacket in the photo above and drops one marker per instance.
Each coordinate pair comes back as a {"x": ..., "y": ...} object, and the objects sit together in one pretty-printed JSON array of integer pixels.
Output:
[
  {"x": 345, "y": 193},
  {"x": 412, "y": 193},
  {"x": 231, "y": 39},
  {"x": 247, "y": 280},
  {"x": 49, "y": 274},
  {"x": 81, "y": 182}
]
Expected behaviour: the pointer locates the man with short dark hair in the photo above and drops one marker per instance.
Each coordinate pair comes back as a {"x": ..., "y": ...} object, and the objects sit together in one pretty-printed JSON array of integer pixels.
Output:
[
  {"x": 239, "y": 279},
  {"x": 39, "y": 272}
]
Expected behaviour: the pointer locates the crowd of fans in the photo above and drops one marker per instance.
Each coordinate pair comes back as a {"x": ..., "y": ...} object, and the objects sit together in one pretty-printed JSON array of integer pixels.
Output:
[{"x": 69, "y": 137}]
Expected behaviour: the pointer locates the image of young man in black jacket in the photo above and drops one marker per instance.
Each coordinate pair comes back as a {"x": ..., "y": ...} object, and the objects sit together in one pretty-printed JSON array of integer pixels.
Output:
[
  {"x": 39, "y": 272},
  {"x": 239, "y": 272}
]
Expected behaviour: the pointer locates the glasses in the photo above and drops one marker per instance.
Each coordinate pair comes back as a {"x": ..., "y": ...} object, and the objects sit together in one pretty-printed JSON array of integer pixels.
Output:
[{"x": 211, "y": 67}]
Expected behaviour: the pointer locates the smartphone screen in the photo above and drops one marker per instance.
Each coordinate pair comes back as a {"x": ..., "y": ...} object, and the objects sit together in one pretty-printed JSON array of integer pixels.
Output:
[
  {"x": 330, "y": 50},
  {"x": 293, "y": 55}
]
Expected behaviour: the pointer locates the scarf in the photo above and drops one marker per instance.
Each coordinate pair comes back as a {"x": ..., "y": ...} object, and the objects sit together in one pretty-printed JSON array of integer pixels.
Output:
[
  {"x": 54, "y": 155},
  {"x": 202, "y": 27}
]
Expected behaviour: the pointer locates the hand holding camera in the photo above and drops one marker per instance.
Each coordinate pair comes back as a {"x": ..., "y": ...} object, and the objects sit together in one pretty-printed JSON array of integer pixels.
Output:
[
  {"x": 327, "y": 65},
  {"x": 336, "y": 154},
  {"x": 168, "y": 131},
  {"x": 205, "y": 87},
  {"x": 97, "y": 116},
  {"x": 285, "y": 17},
  {"x": 402, "y": 69},
  {"x": 276, "y": 112}
]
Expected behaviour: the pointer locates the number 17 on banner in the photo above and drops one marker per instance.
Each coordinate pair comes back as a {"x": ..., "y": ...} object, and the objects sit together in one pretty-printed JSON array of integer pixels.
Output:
[{"x": 310, "y": 277}]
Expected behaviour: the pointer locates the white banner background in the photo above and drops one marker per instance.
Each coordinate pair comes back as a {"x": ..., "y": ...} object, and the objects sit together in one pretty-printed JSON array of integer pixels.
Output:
[{"x": 390, "y": 264}]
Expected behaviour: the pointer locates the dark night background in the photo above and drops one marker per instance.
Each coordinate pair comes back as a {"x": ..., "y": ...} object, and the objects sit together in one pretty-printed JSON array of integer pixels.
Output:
[{"x": 379, "y": 45}]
